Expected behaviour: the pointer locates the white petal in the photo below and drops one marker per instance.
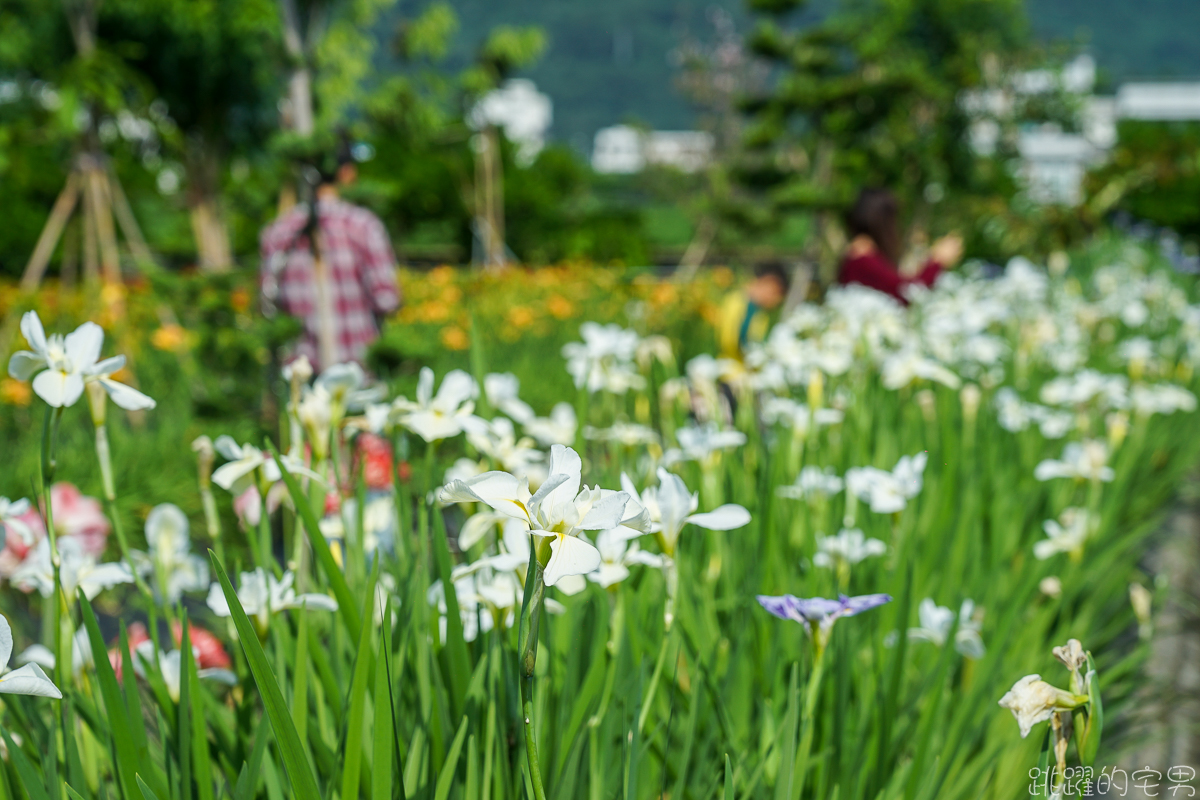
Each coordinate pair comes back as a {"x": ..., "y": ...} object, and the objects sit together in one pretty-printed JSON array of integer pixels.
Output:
[
  {"x": 31, "y": 327},
  {"x": 219, "y": 675},
  {"x": 725, "y": 518},
  {"x": 38, "y": 654},
  {"x": 648, "y": 559},
  {"x": 217, "y": 602},
  {"x": 31, "y": 680},
  {"x": 318, "y": 601},
  {"x": 83, "y": 346},
  {"x": 457, "y": 388},
  {"x": 58, "y": 389},
  {"x": 571, "y": 584},
  {"x": 6, "y": 639},
  {"x": 609, "y": 574},
  {"x": 432, "y": 426},
  {"x": 23, "y": 364},
  {"x": 425, "y": 386},
  {"x": 607, "y": 513},
  {"x": 108, "y": 366},
  {"x": 104, "y": 576},
  {"x": 475, "y": 528},
  {"x": 229, "y": 449},
  {"x": 570, "y": 556},
  {"x": 227, "y": 475},
  {"x": 126, "y": 397}
]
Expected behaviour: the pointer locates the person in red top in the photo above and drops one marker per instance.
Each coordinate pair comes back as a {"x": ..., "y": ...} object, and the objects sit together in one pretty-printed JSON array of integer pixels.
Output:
[
  {"x": 340, "y": 288},
  {"x": 874, "y": 251}
]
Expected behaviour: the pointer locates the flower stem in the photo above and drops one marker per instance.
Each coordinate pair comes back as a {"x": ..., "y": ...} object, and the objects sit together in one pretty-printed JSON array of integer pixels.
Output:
[
  {"x": 104, "y": 457},
  {"x": 535, "y": 772},
  {"x": 807, "y": 722},
  {"x": 527, "y": 638}
]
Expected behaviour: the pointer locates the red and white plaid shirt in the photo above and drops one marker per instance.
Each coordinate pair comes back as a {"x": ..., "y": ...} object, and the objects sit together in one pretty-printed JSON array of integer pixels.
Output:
[{"x": 360, "y": 269}]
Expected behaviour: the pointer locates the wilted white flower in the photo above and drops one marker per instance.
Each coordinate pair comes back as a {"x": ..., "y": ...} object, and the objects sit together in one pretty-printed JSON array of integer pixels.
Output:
[{"x": 1031, "y": 700}]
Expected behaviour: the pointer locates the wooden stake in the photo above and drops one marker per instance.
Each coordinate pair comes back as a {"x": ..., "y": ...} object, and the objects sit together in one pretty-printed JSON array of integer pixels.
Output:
[
  {"x": 91, "y": 258},
  {"x": 110, "y": 257},
  {"x": 69, "y": 273},
  {"x": 48, "y": 240},
  {"x": 128, "y": 223}
]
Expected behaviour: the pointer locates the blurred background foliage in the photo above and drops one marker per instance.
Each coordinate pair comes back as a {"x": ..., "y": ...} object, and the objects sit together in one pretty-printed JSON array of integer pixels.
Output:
[{"x": 194, "y": 104}]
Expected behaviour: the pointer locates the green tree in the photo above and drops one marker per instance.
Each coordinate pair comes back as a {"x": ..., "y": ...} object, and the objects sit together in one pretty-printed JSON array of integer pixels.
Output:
[
  {"x": 214, "y": 63},
  {"x": 871, "y": 96}
]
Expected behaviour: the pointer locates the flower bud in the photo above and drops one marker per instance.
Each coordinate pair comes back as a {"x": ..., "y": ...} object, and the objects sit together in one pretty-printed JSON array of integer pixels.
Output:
[
  {"x": 970, "y": 397},
  {"x": 1118, "y": 427},
  {"x": 1058, "y": 263},
  {"x": 1141, "y": 600},
  {"x": 816, "y": 389},
  {"x": 97, "y": 402},
  {"x": 1051, "y": 586},
  {"x": 928, "y": 403}
]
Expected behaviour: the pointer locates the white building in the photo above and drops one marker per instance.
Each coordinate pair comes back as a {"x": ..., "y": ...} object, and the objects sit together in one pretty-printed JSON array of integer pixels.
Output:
[
  {"x": 1159, "y": 101},
  {"x": 1053, "y": 162},
  {"x": 622, "y": 149}
]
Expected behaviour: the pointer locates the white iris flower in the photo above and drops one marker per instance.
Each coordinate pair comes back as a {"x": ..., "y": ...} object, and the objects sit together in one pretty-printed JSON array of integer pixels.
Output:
[
  {"x": 561, "y": 509},
  {"x": 439, "y": 416},
  {"x": 29, "y": 679},
  {"x": 170, "y": 560},
  {"x": 61, "y": 365}
]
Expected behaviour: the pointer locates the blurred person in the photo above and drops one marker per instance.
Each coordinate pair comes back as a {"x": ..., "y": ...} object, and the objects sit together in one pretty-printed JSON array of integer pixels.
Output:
[
  {"x": 745, "y": 312},
  {"x": 874, "y": 252},
  {"x": 342, "y": 287}
]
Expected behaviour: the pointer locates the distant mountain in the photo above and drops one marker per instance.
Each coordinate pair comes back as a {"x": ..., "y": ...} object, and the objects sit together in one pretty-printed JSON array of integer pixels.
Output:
[
  {"x": 609, "y": 61},
  {"x": 1130, "y": 40}
]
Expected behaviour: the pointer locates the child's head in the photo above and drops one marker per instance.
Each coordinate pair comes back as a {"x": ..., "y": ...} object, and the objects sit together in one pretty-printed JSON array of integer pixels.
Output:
[{"x": 769, "y": 288}]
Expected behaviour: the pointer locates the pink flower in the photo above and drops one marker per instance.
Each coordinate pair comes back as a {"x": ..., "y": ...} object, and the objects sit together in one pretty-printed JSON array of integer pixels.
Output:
[
  {"x": 79, "y": 516},
  {"x": 74, "y": 515},
  {"x": 376, "y": 455},
  {"x": 136, "y": 633},
  {"x": 210, "y": 653},
  {"x": 248, "y": 507}
]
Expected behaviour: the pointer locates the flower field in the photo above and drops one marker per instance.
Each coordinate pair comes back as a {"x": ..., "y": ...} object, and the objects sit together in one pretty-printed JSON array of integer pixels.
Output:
[{"x": 559, "y": 549}]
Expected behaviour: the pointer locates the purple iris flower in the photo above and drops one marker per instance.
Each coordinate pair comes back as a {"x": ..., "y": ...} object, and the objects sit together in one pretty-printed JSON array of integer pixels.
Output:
[{"x": 819, "y": 610}]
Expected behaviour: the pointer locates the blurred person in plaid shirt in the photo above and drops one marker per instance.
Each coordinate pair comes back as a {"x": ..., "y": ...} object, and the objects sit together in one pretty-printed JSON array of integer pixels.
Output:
[{"x": 343, "y": 288}]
